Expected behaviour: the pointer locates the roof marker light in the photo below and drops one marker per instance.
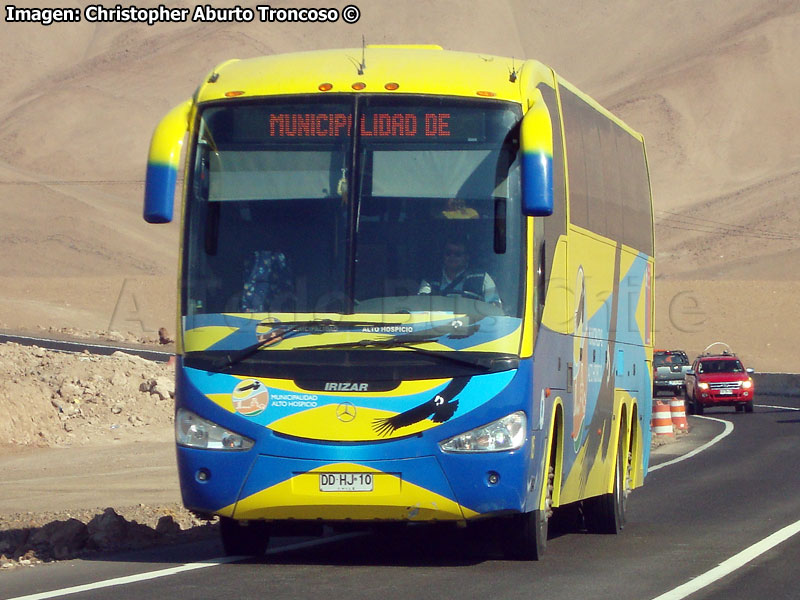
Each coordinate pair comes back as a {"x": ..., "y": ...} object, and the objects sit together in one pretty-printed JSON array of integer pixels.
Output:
[
  {"x": 234, "y": 93},
  {"x": 391, "y": 86},
  {"x": 486, "y": 94},
  {"x": 325, "y": 87},
  {"x": 359, "y": 85}
]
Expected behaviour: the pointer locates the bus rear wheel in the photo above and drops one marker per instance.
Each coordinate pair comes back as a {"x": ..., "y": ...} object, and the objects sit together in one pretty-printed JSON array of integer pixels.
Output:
[
  {"x": 243, "y": 538},
  {"x": 606, "y": 513}
]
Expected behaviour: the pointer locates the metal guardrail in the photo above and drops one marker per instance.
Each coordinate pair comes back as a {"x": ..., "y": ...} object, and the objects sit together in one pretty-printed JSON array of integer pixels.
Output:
[{"x": 777, "y": 384}]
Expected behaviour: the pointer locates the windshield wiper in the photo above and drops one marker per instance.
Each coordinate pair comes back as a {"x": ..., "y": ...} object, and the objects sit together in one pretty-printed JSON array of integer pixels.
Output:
[
  {"x": 282, "y": 330},
  {"x": 408, "y": 341}
]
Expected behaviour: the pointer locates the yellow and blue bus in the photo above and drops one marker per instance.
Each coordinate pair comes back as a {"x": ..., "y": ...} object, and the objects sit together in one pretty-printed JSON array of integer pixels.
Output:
[{"x": 416, "y": 285}]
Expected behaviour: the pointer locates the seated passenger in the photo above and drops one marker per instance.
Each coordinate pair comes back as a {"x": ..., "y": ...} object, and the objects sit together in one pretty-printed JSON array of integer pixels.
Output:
[
  {"x": 269, "y": 287},
  {"x": 456, "y": 279}
]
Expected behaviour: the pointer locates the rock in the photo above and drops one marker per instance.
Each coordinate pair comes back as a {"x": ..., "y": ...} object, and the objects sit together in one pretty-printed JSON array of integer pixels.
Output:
[
  {"x": 164, "y": 387},
  {"x": 13, "y": 542},
  {"x": 139, "y": 535},
  {"x": 60, "y": 538},
  {"x": 107, "y": 530},
  {"x": 119, "y": 379},
  {"x": 167, "y": 526},
  {"x": 68, "y": 390},
  {"x": 163, "y": 336}
]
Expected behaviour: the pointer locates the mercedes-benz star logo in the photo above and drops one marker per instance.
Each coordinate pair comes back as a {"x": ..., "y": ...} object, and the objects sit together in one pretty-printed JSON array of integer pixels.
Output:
[{"x": 346, "y": 412}]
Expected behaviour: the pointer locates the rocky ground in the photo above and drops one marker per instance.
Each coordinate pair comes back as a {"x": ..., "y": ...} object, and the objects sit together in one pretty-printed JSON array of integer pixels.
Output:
[
  {"x": 52, "y": 399},
  {"x": 28, "y": 539}
]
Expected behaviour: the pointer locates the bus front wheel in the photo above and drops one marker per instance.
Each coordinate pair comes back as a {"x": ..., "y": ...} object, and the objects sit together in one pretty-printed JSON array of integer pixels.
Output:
[
  {"x": 243, "y": 538},
  {"x": 527, "y": 534}
]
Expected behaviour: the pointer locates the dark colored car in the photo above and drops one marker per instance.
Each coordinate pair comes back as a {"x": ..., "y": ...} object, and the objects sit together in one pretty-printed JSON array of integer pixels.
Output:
[
  {"x": 669, "y": 371},
  {"x": 719, "y": 380}
]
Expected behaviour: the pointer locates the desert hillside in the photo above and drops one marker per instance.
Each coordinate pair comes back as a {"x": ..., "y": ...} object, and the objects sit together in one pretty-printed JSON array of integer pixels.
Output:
[{"x": 712, "y": 85}]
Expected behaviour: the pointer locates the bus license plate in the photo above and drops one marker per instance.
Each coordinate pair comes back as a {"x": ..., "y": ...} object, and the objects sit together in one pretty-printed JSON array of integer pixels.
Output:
[{"x": 346, "y": 482}]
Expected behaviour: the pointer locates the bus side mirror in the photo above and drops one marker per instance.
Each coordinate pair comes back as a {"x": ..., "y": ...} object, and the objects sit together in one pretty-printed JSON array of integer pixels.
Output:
[
  {"x": 536, "y": 149},
  {"x": 162, "y": 164}
]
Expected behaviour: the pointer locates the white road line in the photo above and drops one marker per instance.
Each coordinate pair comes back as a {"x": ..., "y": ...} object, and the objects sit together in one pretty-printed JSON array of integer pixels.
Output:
[
  {"x": 211, "y": 562},
  {"x": 729, "y": 566},
  {"x": 781, "y": 407},
  {"x": 129, "y": 579},
  {"x": 678, "y": 593},
  {"x": 745, "y": 556},
  {"x": 728, "y": 430}
]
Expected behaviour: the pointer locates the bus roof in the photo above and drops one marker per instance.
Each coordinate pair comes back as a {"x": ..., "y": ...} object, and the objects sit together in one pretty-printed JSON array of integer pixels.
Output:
[{"x": 414, "y": 69}]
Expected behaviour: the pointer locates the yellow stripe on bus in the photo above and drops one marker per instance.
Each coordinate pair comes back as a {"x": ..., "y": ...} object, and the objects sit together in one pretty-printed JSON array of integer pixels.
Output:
[{"x": 391, "y": 499}]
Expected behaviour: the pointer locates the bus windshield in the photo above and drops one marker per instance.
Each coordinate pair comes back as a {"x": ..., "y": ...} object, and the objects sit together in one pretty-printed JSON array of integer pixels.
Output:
[{"x": 386, "y": 207}]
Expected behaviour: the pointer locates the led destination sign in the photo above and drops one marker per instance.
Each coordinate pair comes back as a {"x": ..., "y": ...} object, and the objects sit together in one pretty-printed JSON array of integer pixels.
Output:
[
  {"x": 401, "y": 122},
  {"x": 382, "y": 125}
]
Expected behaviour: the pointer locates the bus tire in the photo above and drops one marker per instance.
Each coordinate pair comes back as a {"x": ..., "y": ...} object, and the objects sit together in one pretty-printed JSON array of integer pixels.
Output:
[
  {"x": 526, "y": 537},
  {"x": 248, "y": 538},
  {"x": 527, "y": 534},
  {"x": 606, "y": 513}
]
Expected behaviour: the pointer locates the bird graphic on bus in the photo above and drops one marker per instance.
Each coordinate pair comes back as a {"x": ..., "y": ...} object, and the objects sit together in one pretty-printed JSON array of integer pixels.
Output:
[{"x": 439, "y": 409}]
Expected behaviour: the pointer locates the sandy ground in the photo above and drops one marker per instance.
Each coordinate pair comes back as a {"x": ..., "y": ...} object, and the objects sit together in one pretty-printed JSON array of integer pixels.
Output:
[
  {"x": 715, "y": 99},
  {"x": 51, "y": 479}
]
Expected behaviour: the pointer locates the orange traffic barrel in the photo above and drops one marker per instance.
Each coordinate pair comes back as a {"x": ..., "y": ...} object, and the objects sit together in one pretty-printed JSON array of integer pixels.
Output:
[
  {"x": 662, "y": 419},
  {"x": 677, "y": 409}
]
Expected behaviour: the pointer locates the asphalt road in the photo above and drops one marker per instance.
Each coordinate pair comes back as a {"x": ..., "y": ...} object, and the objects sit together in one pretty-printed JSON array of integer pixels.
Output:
[
  {"x": 702, "y": 528},
  {"x": 77, "y": 346}
]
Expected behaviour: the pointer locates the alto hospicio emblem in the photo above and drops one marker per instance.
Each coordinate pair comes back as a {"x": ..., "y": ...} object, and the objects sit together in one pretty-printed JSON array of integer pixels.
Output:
[{"x": 250, "y": 397}]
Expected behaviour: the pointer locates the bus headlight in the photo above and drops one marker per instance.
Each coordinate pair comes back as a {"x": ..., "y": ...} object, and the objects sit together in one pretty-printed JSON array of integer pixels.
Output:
[
  {"x": 194, "y": 431},
  {"x": 507, "y": 433}
]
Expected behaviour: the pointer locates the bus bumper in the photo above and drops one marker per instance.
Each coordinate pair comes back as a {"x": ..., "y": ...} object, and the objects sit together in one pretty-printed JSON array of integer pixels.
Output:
[{"x": 422, "y": 489}]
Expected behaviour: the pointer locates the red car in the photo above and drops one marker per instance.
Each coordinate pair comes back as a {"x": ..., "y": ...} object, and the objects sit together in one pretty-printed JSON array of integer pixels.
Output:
[{"x": 719, "y": 380}]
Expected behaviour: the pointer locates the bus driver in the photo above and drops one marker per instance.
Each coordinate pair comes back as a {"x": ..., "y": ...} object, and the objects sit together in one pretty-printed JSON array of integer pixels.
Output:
[{"x": 456, "y": 279}]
